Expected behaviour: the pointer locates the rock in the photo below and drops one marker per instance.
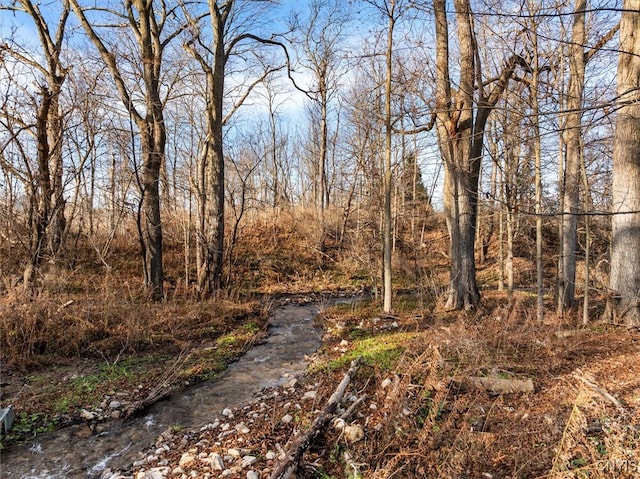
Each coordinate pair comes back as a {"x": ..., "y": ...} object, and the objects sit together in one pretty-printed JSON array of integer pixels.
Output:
[
  {"x": 252, "y": 475},
  {"x": 339, "y": 424},
  {"x": 242, "y": 428},
  {"x": 286, "y": 419},
  {"x": 353, "y": 433},
  {"x": 210, "y": 426},
  {"x": 115, "y": 405},
  {"x": 386, "y": 383},
  {"x": 177, "y": 470},
  {"x": 217, "y": 464},
  {"x": 270, "y": 455},
  {"x": 310, "y": 395},
  {"x": 154, "y": 473},
  {"x": 226, "y": 412},
  {"x": 233, "y": 452},
  {"x": 292, "y": 383},
  {"x": 116, "y": 414},
  {"x": 187, "y": 459},
  {"x": 87, "y": 415},
  {"x": 249, "y": 461}
]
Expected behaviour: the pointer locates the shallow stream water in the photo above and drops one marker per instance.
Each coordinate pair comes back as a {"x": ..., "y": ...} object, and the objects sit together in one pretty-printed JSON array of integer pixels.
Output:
[{"x": 74, "y": 453}]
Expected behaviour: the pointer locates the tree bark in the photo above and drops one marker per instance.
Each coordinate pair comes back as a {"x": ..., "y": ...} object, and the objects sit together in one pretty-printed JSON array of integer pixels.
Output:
[
  {"x": 565, "y": 291},
  {"x": 48, "y": 221},
  {"x": 461, "y": 121},
  {"x": 387, "y": 178},
  {"x": 624, "y": 301}
]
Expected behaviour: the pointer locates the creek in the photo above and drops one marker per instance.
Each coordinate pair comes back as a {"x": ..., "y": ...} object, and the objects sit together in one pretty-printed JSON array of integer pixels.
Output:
[{"x": 73, "y": 453}]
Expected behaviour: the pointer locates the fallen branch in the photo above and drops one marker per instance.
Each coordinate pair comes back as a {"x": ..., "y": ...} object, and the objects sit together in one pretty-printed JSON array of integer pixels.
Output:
[
  {"x": 353, "y": 407},
  {"x": 288, "y": 465},
  {"x": 602, "y": 392}
]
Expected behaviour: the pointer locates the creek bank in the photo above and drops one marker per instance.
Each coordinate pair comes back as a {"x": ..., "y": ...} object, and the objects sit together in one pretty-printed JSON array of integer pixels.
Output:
[{"x": 116, "y": 446}]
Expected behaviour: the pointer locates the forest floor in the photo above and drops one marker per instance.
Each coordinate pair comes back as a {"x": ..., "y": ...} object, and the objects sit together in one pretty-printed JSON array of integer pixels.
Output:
[
  {"x": 420, "y": 412},
  {"x": 427, "y": 398},
  {"x": 420, "y": 416}
]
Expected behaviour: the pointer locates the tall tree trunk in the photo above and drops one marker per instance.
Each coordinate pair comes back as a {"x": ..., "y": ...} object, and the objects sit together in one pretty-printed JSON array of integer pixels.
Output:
[
  {"x": 460, "y": 125},
  {"x": 47, "y": 201},
  {"x": 213, "y": 222},
  {"x": 387, "y": 175},
  {"x": 565, "y": 293},
  {"x": 624, "y": 302},
  {"x": 151, "y": 126}
]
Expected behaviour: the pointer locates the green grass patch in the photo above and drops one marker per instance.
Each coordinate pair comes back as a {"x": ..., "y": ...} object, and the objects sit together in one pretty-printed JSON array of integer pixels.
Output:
[{"x": 380, "y": 352}]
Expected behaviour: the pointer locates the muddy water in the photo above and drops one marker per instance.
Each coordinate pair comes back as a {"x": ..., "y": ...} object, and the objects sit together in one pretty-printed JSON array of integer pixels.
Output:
[{"x": 75, "y": 453}]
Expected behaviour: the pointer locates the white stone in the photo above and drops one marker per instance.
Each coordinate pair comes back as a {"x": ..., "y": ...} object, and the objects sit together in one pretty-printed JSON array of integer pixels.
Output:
[
  {"x": 210, "y": 426},
  {"x": 286, "y": 419},
  {"x": 226, "y": 412},
  {"x": 87, "y": 415},
  {"x": 115, "y": 405},
  {"x": 252, "y": 475},
  {"x": 233, "y": 452},
  {"x": 270, "y": 455},
  {"x": 242, "y": 428},
  {"x": 386, "y": 383},
  {"x": 187, "y": 459},
  {"x": 217, "y": 464},
  {"x": 310, "y": 395},
  {"x": 249, "y": 461},
  {"x": 339, "y": 424},
  {"x": 157, "y": 473}
]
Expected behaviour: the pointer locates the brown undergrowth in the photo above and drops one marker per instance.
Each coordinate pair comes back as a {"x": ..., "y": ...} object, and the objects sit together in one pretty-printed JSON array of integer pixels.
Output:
[{"x": 581, "y": 421}]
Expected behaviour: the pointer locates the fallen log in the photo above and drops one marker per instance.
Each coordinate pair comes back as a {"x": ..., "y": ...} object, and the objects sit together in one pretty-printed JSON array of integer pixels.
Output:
[
  {"x": 494, "y": 385},
  {"x": 288, "y": 465}
]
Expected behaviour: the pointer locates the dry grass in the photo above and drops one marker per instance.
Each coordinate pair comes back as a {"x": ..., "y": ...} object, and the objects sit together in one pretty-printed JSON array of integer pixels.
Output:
[{"x": 427, "y": 423}]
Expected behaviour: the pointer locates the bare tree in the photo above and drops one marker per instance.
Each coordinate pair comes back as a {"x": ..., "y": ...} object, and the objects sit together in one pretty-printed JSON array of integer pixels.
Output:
[
  {"x": 573, "y": 133},
  {"x": 624, "y": 300},
  {"x": 214, "y": 58},
  {"x": 461, "y": 116},
  {"x": 46, "y": 189},
  {"x": 147, "y": 20},
  {"x": 321, "y": 36}
]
